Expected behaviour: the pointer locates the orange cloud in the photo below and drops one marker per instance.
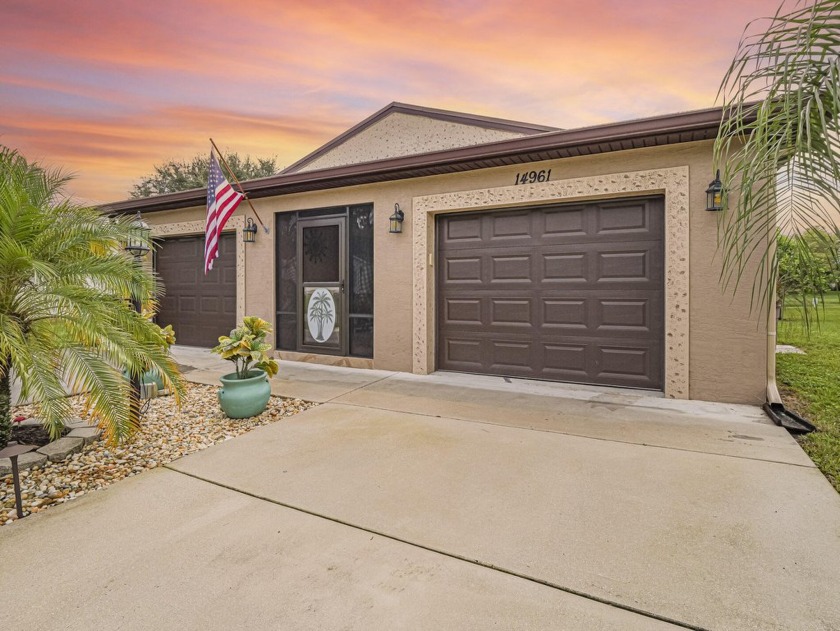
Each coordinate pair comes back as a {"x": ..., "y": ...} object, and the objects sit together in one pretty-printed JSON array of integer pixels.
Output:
[
  {"x": 110, "y": 155},
  {"x": 110, "y": 89}
]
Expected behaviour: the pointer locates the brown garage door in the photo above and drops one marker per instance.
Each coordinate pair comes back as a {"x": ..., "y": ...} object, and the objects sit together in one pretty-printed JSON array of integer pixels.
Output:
[
  {"x": 567, "y": 293},
  {"x": 200, "y": 308}
]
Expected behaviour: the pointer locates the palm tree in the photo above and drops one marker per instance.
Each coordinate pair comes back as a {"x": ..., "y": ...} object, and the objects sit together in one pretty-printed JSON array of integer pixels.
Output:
[
  {"x": 65, "y": 315},
  {"x": 779, "y": 142},
  {"x": 320, "y": 310}
]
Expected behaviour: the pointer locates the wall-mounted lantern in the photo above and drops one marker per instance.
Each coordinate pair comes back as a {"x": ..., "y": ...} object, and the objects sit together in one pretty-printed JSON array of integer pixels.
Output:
[
  {"x": 396, "y": 220},
  {"x": 137, "y": 246},
  {"x": 139, "y": 238},
  {"x": 249, "y": 232},
  {"x": 714, "y": 194}
]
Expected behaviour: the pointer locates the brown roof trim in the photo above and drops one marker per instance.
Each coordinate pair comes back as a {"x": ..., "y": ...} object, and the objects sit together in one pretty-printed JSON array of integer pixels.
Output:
[
  {"x": 462, "y": 118},
  {"x": 636, "y": 134}
]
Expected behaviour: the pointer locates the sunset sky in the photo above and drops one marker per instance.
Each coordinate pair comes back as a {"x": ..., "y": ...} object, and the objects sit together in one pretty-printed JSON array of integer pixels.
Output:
[{"x": 108, "y": 88}]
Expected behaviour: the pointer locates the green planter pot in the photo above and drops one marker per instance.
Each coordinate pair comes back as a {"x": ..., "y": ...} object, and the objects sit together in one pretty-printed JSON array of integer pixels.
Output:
[
  {"x": 244, "y": 398},
  {"x": 153, "y": 376}
]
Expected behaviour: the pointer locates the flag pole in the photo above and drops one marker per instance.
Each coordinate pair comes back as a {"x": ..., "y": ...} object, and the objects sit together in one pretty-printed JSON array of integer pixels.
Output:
[{"x": 241, "y": 190}]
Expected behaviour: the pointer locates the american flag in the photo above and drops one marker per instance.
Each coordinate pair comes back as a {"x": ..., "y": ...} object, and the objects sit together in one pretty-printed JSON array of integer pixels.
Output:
[{"x": 222, "y": 200}]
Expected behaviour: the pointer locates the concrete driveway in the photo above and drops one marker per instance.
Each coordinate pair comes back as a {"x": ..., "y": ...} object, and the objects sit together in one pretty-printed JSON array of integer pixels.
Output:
[{"x": 449, "y": 502}]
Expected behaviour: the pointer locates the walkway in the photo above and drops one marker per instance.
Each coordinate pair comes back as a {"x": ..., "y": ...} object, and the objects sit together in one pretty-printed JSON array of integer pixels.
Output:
[{"x": 449, "y": 502}]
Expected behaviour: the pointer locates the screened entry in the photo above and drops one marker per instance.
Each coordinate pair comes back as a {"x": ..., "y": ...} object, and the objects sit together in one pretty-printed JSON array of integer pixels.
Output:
[{"x": 325, "y": 281}]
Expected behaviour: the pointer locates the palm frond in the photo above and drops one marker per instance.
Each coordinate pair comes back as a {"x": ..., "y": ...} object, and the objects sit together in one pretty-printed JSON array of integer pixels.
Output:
[
  {"x": 65, "y": 310},
  {"x": 779, "y": 140}
]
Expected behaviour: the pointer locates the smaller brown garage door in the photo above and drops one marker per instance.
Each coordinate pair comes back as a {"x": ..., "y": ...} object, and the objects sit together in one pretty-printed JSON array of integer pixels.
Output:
[
  {"x": 200, "y": 308},
  {"x": 567, "y": 293}
]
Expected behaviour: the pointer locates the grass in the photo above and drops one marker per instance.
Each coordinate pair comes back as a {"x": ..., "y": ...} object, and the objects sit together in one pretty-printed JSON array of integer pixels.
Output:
[{"x": 810, "y": 383}]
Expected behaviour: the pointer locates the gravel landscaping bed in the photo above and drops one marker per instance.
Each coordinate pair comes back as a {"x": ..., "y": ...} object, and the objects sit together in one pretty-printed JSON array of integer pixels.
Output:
[{"x": 166, "y": 434}]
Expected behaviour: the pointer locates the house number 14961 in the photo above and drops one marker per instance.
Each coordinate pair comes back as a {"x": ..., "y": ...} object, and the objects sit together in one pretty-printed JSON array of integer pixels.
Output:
[{"x": 531, "y": 177}]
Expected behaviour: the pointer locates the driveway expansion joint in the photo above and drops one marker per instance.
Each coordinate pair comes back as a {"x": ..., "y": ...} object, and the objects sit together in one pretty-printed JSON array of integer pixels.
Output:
[
  {"x": 451, "y": 555},
  {"x": 361, "y": 387}
]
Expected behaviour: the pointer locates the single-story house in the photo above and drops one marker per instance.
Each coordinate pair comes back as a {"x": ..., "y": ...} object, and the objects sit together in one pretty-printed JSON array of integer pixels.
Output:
[{"x": 573, "y": 255}]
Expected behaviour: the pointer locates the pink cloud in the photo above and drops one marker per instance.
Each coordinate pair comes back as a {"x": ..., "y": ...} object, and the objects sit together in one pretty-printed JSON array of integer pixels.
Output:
[{"x": 110, "y": 89}]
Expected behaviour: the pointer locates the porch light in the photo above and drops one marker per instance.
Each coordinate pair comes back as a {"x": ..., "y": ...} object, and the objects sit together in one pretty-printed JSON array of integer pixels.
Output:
[
  {"x": 137, "y": 246},
  {"x": 396, "y": 220},
  {"x": 249, "y": 232},
  {"x": 139, "y": 238},
  {"x": 714, "y": 194}
]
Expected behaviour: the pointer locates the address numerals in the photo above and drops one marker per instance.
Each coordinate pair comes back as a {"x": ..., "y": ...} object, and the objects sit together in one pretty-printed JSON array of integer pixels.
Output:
[{"x": 532, "y": 177}]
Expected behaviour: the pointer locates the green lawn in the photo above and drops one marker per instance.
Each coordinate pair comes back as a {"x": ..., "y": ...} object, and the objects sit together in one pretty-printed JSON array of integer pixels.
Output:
[{"x": 810, "y": 383}]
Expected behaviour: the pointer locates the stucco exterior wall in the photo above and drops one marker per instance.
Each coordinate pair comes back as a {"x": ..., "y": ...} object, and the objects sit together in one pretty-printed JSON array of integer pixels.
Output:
[
  {"x": 726, "y": 343},
  {"x": 402, "y": 135}
]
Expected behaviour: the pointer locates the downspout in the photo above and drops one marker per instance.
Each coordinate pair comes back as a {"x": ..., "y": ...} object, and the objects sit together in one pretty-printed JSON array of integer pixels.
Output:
[
  {"x": 773, "y": 395},
  {"x": 774, "y": 407}
]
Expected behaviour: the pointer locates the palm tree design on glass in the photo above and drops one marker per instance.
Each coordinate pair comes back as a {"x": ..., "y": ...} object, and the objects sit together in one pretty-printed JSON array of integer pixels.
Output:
[{"x": 321, "y": 311}]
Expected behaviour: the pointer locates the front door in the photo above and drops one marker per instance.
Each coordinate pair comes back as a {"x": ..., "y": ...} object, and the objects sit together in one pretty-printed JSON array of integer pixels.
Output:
[{"x": 321, "y": 264}]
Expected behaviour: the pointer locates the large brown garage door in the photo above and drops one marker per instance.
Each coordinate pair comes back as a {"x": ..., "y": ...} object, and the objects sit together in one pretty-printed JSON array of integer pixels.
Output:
[
  {"x": 567, "y": 293},
  {"x": 200, "y": 308}
]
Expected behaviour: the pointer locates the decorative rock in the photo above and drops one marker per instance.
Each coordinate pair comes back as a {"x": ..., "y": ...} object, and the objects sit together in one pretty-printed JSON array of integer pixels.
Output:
[
  {"x": 59, "y": 449},
  {"x": 781, "y": 349},
  {"x": 31, "y": 422},
  {"x": 88, "y": 434},
  {"x": 167, "y": 432},
  {"x": 25, "y": 461},
  {"x": 31, "y": 459},
  {"x": 76, "y": 423}
]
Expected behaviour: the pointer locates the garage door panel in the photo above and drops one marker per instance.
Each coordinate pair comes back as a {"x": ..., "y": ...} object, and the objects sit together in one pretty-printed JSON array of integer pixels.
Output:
[
  {"x": 463, "y": 270},
  {"x": 565, "y": 267},
  {"x": 541, "y": 315},
  {"x": 511, "y": 312},
  {"x": 565, "y": 313},
  {"x": 623, "y": 361},
  {"x": 510, "y": 355},
  {"x": 629, "y": 266},
  {"x": 463, "y": 352},
  {"x": 186, "y": 304},
  {"x": 463, "y": 229},
  {"x": 462, "y": 311},
  {"x": 211, "y": 304},
  {"x": 633, "y": 365},
  {"x": 565, "y": 361},
  {"x": 200, "y": 308},
  {"x": 229, "y": 276},
  {"x": 511, "y": 267},
  {"x": 630, "y": 218},
  {"x": 563, "y": 304},
  {"x": 625, "y": 315},
  {"x": 566, "y": 222},
  {"x": 613, "y": 264},
  {"x": 506, "y": 226}
]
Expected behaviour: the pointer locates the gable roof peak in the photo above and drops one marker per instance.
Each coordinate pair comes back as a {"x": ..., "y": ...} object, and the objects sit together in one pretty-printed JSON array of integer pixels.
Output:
[{"x": 450, "y": 116}]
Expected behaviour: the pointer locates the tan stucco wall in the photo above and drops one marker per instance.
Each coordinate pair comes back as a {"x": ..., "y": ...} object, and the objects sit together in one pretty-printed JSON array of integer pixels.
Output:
[
  {"x": 405, "y": 134},
  {"x": 727, "y": 344}
]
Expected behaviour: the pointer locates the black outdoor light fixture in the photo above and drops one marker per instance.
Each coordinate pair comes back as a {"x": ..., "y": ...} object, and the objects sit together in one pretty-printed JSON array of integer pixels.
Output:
[
  {"x": 138, "y": 247},
  {"x": 140, "y": 232},
  {"x": 714, "y": 194},
  {"x": 249, "y": 232},
  {"x": 396, "y": 220}
]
